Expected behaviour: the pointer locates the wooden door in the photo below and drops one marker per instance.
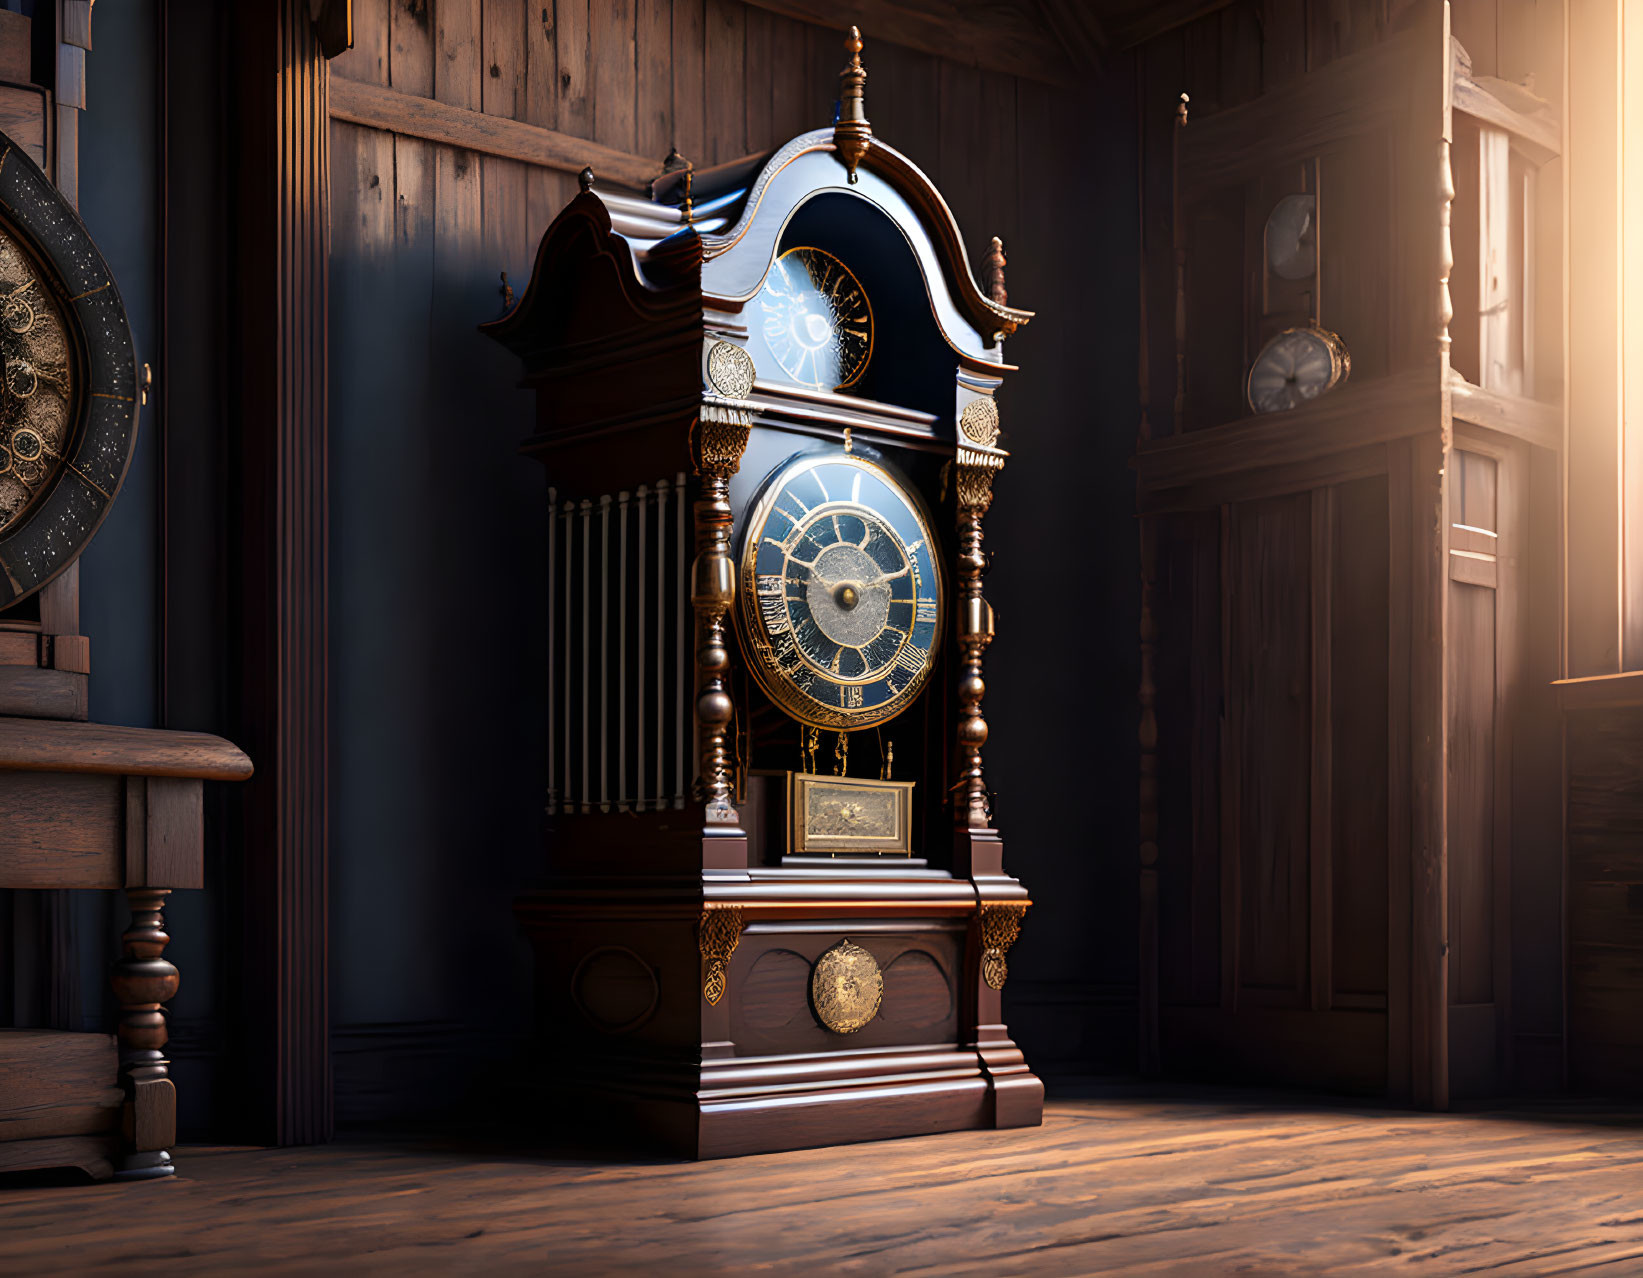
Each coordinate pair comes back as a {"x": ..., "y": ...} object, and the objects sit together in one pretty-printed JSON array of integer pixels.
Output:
[
  {"x": 1275, "y": 928},
  {"x": 1484, "y": 637}
]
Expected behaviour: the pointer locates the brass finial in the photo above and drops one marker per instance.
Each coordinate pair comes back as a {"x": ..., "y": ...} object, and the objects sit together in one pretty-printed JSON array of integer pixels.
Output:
[
  {"x": 585, "y": 177},
  {"x": 995, "y": 273},
  {"x": 1181, "y": 109},
  {"x": 852, "y": 134},
  {"x": 673, "y": 164}
]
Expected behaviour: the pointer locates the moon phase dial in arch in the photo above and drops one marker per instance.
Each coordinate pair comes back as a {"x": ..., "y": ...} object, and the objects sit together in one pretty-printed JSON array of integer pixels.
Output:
[
  {"x": 818, "y": 322},
  {"x": 841, "y": 593}
]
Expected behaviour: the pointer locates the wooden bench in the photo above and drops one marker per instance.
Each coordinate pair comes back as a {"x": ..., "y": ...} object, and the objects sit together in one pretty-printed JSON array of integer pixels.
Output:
[{"x": 96, "y": 807}]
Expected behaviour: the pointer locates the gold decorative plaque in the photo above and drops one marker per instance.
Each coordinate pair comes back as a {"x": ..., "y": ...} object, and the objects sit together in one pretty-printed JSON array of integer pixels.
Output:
[
  {"x": 730, "y": 370},
  {"x": 846, "y": 988},
  {"x": 848, "y": 816},
  {"x": 979, "y": 421}
]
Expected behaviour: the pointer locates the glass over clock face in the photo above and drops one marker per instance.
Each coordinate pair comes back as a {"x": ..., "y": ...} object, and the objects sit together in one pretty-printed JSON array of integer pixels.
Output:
[
  {"x": 818, "y": 322},
  {"x": 36, "y": 403},
  {"x": 841, "y": 594}
]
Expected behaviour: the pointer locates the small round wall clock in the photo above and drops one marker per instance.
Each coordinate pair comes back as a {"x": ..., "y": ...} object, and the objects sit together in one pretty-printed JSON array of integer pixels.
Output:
[
  {"x": 1297, "y": 365},
  {"x": 841, "y": 593},
  {"x": 1291, "y": 238},
  {"x": 818, "y": 322},
  {"x": 68, "y": 381}
]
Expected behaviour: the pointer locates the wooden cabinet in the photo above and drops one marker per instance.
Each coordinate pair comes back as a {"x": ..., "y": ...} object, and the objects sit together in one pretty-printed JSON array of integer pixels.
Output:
[{"x": 1345, "y": 641}]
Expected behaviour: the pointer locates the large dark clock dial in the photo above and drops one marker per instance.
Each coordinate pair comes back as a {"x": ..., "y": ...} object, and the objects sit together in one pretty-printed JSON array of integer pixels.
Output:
[
  {"x": 69, "y": 393},
  {"x": 818, "y": 322},
  {"x": 841, "y": 592}
]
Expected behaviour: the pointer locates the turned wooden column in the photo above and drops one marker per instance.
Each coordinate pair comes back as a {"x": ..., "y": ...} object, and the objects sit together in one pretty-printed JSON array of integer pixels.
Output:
[
  {"x": 144, "y": 980},
  {"x": 978, "y": 460},
  {"x": 721, "y": 437}
]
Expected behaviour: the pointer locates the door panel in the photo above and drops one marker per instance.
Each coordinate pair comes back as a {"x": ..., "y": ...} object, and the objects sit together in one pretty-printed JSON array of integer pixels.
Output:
[
  {"x": 1268, "y": 674},
  {"x": 1358, "y": 793}
]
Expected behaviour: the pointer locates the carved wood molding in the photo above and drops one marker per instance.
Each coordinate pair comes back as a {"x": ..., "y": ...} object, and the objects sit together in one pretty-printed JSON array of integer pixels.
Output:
[{"x": 377, "y": 107}]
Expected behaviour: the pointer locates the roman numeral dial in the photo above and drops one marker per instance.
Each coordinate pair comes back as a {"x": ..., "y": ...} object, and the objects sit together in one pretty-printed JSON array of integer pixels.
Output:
[
  {"x": 841, "y": 600},
  {"x": 817, "y": 320}
]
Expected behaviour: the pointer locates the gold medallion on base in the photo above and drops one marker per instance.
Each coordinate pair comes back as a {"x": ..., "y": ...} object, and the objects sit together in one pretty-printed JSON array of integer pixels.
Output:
[{"x": 846, "y": 988}]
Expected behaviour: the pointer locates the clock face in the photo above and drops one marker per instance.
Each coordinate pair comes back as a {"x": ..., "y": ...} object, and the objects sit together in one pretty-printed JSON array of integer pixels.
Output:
[
  {"x": 841, "y": 593},
  {"x": 818, "y": 322},
  {"x": 69, "y": 392},
  {"x": 36, "y": 389},
  {"x": 1292, "y": 239},
  {"x": 1297, "y": 365}
]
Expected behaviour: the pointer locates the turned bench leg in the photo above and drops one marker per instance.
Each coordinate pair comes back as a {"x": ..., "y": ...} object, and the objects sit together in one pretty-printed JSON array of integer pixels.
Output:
[{"x": 143, "y": 980}]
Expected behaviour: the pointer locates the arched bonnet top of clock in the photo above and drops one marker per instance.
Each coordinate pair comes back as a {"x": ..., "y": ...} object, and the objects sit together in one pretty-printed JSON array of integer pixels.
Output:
[
  {"x": 720, "y": 230},
  {"x": 741, "y": 226},
  {"x": 737, "y": 260}
]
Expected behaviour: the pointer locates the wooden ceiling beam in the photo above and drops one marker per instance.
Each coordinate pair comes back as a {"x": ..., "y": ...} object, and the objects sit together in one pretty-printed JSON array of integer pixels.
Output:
[
  {"x": 988, "y": 34},
  {"x": 1080, "y": 29},
  {"x": 1131, "y": 25}
]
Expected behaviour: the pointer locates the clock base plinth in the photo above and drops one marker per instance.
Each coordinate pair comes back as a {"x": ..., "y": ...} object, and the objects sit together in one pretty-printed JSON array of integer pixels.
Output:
[
  {"x": 841, "y": 1098},
  {"x": 664, "y": 1031}
]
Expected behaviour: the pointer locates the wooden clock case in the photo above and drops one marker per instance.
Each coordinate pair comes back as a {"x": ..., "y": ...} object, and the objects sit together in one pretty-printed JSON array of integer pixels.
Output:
[{"x": 674, "y": 939}]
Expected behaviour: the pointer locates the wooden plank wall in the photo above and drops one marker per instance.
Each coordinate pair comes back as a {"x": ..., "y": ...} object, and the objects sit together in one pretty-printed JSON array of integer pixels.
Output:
[
  {"x": 1605, "y": 901},
  {"x": 437, "y": 535}
]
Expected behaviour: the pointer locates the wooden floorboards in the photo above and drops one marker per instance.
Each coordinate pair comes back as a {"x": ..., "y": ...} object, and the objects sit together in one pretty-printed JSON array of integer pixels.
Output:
[{"x": 1115, "y": 1184}]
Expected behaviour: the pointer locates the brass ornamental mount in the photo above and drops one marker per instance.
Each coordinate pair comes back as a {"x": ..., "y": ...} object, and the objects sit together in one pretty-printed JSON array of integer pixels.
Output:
[
  {"x": 1000, "y": 926},
  {"x": 846, "y": 988},
  {"x": 718, "y": 935},
  {"x": 730, "y": 370},
  {"x": 674, "y": 163},
  {"x": 979, "y": 421},
  {"x": 852, "y": 132}
]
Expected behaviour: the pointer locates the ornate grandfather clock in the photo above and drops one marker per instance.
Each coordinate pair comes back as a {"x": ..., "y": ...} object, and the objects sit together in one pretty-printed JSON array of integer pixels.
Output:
[{"x": 776, "y": 914}]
